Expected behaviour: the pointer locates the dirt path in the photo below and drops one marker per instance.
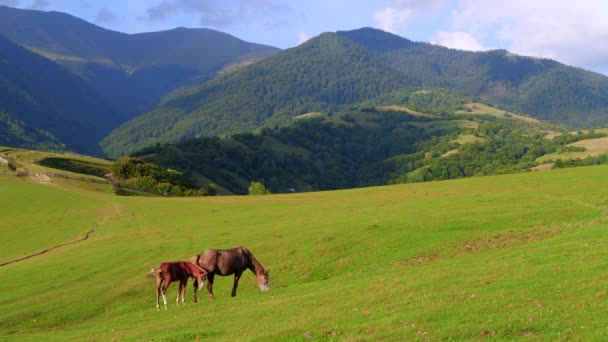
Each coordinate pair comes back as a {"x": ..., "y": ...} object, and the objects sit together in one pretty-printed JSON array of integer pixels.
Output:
[
  {"x": 49, "y": 249},
  {"x": 115, "y": 211}
]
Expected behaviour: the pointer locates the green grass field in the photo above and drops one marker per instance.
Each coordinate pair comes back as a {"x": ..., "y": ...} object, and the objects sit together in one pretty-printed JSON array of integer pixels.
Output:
[{"x": 504, "y": 257}]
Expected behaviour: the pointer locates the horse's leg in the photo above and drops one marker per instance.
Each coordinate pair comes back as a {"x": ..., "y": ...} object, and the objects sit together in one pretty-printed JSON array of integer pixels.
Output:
[
  {"x": 210, "y": 277},
  {"x": 195, "y": 299},
  {"x": 237, "y": 276}
]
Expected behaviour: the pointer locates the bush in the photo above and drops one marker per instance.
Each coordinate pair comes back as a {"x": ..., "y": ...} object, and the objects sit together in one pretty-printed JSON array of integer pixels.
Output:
[{"x": 257, "y": 188}]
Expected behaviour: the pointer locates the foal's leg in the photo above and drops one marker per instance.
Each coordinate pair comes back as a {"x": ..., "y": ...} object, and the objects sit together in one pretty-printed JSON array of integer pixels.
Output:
[
  {"x": 182, "y": 287},
  {"x": 164, "y": 290},
  {"x": 179, "y": 291},
  {"x": 237, "y": 276},
  {"x": 158, "y": 291},
  {"x": 210, "y": 277}
]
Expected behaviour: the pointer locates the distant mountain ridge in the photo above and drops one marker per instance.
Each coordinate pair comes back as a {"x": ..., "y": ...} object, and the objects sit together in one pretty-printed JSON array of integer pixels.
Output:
[
  {"x": 44, "y": 106},
  {"x": 337, "y": 69},
  {"x": 132, "y": 71},
  {"x": 544, "y": 88}
]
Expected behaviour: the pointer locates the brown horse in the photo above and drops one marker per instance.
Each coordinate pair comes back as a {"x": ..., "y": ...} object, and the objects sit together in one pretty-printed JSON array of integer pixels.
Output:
[
  {"x": 225, "y": 262},
  {"x": 168, "y": 272}
]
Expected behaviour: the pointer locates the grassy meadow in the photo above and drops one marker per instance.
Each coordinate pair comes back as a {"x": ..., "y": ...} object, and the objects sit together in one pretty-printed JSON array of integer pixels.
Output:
[{"x": 503, "y": 257}]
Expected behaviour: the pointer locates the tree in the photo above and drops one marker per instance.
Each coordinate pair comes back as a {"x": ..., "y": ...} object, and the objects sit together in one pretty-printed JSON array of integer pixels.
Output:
[{"x": 257, "y": 188}]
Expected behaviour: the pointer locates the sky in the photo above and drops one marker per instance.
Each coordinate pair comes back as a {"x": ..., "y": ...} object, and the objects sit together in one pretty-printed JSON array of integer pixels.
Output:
[{"x": 569, "y": 31}]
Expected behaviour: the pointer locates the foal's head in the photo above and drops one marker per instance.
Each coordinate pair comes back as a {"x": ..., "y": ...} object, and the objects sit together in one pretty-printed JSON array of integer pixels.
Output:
[
  {"x": 200, "y": 274},
  {"x": 263, "y": 280}
]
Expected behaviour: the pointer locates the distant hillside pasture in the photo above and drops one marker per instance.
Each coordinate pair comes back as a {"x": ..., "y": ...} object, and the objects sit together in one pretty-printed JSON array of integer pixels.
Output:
[
  {"x": 68, "y": 163},
  {"x": 506, "y": 257},
  {"x": 480, "y": 108},
  {"x": 592, "y": 148},
  {"x": 406, "y": 110},
  {"x": 308, "y": 115}
]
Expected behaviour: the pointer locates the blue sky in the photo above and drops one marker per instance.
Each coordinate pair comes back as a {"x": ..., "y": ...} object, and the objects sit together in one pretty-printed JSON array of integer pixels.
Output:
[{"x": 572, "y": 32}]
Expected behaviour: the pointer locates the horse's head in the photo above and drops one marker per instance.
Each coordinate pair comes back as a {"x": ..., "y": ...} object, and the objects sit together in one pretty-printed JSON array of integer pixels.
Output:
[{"x": 263, "y": 280}]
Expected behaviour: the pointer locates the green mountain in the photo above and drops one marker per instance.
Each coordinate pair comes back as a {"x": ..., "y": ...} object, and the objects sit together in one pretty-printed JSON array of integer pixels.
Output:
[
  {"x": 132, "y": 71},
  {"x": 369, "y": 145},
  {"x": 319, "y": 75},
  {"x": 335, "y": 70},
  {"x": 44, "y": 106},
  {"x": 543, "y": 88}
]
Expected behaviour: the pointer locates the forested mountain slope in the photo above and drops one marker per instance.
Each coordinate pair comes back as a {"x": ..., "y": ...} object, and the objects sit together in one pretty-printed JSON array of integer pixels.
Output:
[
  {"x": 337, "y": 69},
  {"x": 44, "y": 106}
]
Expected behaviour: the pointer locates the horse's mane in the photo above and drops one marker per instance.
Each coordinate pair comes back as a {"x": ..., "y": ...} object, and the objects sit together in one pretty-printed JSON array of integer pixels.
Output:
[{"x": 256, "y": 264}]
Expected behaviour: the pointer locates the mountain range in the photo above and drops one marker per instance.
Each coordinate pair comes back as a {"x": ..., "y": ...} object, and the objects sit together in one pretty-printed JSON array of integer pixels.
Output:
[
  {"x": 169, "y": 86},
  {"x": 335, "y": 70},
  {"x": 130, "y": 73}
]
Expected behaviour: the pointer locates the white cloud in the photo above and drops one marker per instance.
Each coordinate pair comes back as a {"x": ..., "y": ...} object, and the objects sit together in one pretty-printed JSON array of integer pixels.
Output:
[
  {"x": 571, "y": 32},
  {"x": 302, "y": 37},
  {"x": 39, "y": 5},
  {"x": 11, "y": 3},
  {"x": 105, "y": 16},
  {"x": 399, "y": 11},
  {"x": 459, "y": 40},
  {"x": 227, "y": 13}
]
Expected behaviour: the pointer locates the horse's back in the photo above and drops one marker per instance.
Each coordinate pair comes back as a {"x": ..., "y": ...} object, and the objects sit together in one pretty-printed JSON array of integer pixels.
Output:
[{"x": 223, "y": 261}]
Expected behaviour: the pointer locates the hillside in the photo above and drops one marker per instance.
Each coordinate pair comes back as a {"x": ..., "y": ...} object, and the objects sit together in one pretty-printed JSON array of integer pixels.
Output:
[
  {"x": 312, "y": 154},
  {"x": 369, "y": 145},
  {"x": 132, "y": 71},
  {"x": 42, "y": 105},
  {"x": 508, "y": 257},
  {"x": 336, "y": 69}
]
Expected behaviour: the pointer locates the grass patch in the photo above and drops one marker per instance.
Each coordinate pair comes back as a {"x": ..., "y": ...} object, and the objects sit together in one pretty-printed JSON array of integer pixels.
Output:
[
  {"x": 86, "y": 167},
  {"x": 309, "y": 115},
  {"x": 503, "y": 257},
  {"x": 404, "y": 109},
  {"x": 480, "y": 108},
  {"x": 42, "y": 162}
]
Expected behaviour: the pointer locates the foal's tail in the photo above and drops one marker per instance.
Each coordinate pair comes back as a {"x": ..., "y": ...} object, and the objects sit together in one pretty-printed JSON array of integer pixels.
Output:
[{"x": 153, "y": 273}]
